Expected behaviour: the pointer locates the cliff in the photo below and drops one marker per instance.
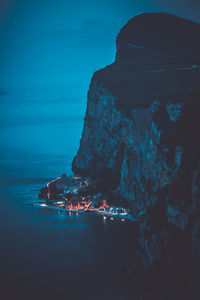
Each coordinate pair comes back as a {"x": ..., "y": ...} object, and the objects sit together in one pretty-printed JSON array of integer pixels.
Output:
[{"x": 141, "y": 142}]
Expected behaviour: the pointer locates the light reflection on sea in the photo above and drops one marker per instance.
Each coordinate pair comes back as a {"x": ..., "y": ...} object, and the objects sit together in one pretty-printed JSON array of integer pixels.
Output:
[{"x": 46, "y": 254}]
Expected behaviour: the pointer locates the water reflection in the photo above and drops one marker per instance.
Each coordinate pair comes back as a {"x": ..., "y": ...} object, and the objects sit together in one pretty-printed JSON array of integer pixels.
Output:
[{"x": 44, "y": 253}]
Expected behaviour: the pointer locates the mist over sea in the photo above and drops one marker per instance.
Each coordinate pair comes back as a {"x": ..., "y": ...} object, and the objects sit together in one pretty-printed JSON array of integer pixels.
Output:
[
  {"x": 47, "y": 254},
  {"x": 40, "y": 132}
]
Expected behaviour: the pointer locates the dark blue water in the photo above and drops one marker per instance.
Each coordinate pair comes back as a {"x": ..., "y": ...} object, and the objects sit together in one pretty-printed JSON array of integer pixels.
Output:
[{"x": 46, "y": 254}]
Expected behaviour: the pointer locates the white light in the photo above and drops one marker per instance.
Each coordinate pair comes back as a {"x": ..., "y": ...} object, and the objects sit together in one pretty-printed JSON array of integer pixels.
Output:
[
  {"x": 43, "y": 204},
  {"x": 112, "y": 218},
  {"x": 122, "y": 220},
  {"x": 104, "y": 217}
]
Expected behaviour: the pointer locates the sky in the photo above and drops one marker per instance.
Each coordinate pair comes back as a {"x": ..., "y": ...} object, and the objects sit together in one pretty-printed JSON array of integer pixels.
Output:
[{"x": 54, "y": 43}]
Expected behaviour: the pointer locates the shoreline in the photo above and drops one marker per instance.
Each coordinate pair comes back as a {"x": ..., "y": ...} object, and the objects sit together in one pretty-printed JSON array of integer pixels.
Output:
[{"x": 86, "y": 212}]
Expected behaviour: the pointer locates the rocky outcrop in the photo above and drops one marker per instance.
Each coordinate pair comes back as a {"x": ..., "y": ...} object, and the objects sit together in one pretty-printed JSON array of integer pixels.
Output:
[{"x": 141, "y": 142}]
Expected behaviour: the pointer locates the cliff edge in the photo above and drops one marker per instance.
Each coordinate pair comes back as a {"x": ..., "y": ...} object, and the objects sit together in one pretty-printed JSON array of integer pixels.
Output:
[{"x": 141, "y": 142}]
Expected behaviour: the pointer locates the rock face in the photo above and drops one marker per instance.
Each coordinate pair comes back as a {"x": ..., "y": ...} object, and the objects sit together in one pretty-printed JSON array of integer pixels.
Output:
[{"x": 141, "y": 142}]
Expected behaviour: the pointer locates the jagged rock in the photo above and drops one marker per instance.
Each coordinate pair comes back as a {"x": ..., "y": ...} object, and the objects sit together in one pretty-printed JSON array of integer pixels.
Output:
[{"x": 141, "y": 141}]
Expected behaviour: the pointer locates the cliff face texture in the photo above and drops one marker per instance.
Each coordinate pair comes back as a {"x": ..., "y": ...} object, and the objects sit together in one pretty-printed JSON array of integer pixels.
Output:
[{"x": 141, "y": 142}]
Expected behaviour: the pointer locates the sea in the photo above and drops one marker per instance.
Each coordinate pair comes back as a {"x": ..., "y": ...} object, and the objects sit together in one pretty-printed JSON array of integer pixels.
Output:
[{"x": 44, "y": 253}]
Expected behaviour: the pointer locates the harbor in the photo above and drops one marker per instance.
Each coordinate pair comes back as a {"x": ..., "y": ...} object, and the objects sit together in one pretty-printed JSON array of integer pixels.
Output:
[
  {"x": 75, "y": 194},
  {"x": 105, "y": 214}
]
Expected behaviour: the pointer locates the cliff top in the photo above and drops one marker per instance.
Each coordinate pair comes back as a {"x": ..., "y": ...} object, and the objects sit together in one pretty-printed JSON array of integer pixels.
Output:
[
  {"x": 157, "y": 59},
  {"x": 161, "y": 32}
]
